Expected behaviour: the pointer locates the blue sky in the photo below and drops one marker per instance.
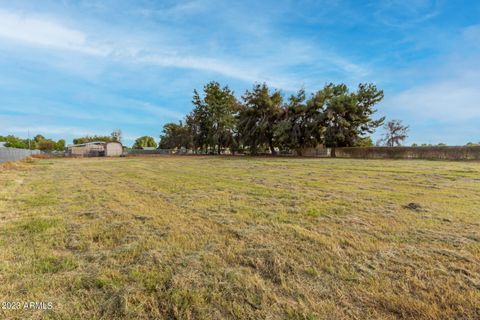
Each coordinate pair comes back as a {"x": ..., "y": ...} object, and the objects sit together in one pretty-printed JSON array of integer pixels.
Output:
[{"x": 69, "y": 68}]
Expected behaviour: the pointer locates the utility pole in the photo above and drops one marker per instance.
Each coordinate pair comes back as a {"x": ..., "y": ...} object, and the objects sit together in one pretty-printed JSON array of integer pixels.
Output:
[{"x": 29, "y": 142}]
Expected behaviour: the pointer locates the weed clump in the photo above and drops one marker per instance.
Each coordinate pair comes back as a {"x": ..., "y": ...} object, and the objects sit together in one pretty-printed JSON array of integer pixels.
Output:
[{"x": 415, "y": 207}]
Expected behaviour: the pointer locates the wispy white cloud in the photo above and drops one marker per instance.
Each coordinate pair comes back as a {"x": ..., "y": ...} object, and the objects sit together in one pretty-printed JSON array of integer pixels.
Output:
[
  {"x": 453, "y": 100},
  {"x": 178, "y": 10},
  {"x": 157, "y": 110},
  {"x": 39, "y": 31},
  {"x": 406, "y": 13},
  {"x": 109, "y": 110},
  {"x": 451, "y": 93},
  {"x": 266, "y": 65},
  {"x": 439, "y": 97},
  {"x": 53, "y": 130},
  {"x": 198, "y": 63}
]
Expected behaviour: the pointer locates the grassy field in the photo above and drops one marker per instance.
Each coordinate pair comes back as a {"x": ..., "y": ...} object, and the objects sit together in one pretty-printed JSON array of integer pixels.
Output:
[{"x": 240, "y": 238}]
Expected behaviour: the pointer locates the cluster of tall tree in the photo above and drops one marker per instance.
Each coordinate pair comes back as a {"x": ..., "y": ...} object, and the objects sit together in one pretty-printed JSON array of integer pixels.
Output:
[
  {"x": 38, "y": 142},
  {"x": 263, "y": 121}
]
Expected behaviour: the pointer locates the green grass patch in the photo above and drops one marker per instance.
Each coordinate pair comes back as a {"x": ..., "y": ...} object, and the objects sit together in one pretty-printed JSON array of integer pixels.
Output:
[
  {"x": 52, "y": 264},
  {"x": 39, "y": 225}
]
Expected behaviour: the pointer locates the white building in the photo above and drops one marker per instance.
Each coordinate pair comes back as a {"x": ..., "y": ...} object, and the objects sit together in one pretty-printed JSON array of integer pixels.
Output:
[{"x": 96, "y": 149}]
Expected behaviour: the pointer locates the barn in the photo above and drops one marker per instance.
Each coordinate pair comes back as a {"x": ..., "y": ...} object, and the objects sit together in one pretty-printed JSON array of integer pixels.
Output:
[{"x": 96, "y": 149}]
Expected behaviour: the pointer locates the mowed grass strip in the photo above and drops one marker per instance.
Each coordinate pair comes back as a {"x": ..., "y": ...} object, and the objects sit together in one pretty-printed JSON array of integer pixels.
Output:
[{"x": 241, "y": 238}]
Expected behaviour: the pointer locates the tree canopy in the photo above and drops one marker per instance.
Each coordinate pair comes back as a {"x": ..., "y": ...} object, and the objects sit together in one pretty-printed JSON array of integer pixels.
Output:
[
  {"x": 259, "y": 117},
  {"x": 94, "y": 138},
  {"x": 175, "y": 136},
  {"x": 145, "y": 142},
  {"x": 298, "y": 127},
  {"x": 212, "y": 120},
  {"x": 262, "y": 121},
  {"x": 38, "y": 142},
  {"x": 347, "y": 116}
]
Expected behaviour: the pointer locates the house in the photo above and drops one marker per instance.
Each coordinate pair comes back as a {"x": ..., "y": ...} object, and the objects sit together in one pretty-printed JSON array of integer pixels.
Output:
[
  {"x": 96, "y": 149},
  {"x": 2, "y": 144}
]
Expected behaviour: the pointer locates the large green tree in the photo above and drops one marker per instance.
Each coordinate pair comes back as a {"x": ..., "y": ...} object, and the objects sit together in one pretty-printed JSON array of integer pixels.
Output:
[
  {"x": 145, "y": 142},
  {"x": 60, "y": 145},
  {"x": 299, "y": 127},
  {"x": 175, "y": 135},
  {"x": 347, "y": 116},
  {"x": 38, "y": 138},
  {"x": 212, "y": 120},
  {"x": 197, "y": 123},
  {"x": 258, "y": 118},
  {"x": 16, "y": 142},
  {"x": 46, "y": 145}
]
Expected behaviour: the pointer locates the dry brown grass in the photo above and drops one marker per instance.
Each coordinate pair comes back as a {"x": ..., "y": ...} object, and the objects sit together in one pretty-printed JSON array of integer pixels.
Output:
[
  {"x": 241, "y": 238},
  {"x": 41, "y": 156},
  {"x": 7, "y": 165}
]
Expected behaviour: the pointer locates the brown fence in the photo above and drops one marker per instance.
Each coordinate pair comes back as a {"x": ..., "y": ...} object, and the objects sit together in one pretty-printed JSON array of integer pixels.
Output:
[{"x": 440, "y": 153}]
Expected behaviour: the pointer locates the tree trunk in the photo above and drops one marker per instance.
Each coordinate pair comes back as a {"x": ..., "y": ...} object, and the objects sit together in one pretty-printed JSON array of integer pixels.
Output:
[
  {"x": 332, "y": 152},
  {"x": 272, "y": 148}
]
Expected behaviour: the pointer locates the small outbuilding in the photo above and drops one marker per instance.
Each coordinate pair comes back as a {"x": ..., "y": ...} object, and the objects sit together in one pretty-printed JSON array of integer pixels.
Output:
[
  {"x": 113, "y": 149},
  {"x": 96, "y": 149}
]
